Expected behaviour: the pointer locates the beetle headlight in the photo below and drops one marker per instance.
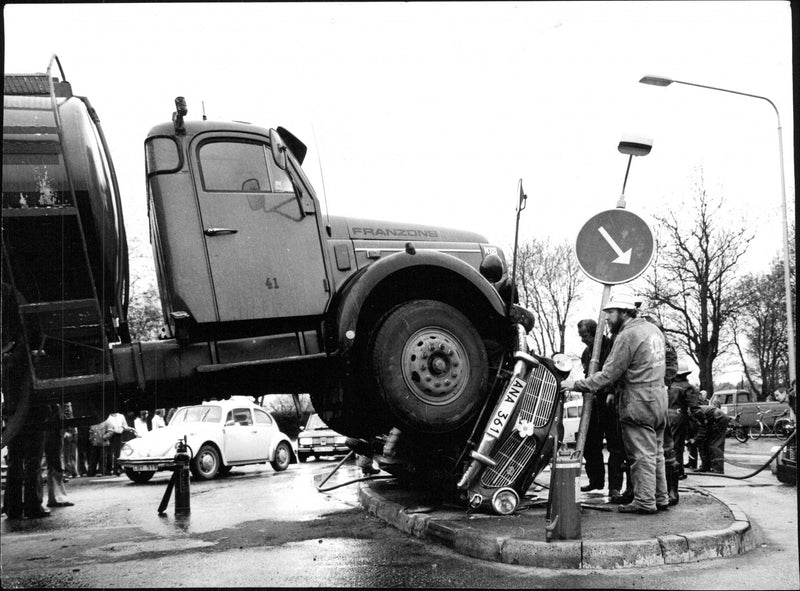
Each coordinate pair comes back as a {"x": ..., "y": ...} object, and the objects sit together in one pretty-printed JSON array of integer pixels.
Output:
[{"x": 505, "y": 501}]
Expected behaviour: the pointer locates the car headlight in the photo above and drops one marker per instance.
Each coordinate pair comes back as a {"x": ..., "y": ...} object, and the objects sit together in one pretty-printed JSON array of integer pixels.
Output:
[
  {"x": 341, "y": 440},
  {"x": 305, "y": 441},
  {"x": 126, "y": 450},
  {"x": 505, "y": 501}
]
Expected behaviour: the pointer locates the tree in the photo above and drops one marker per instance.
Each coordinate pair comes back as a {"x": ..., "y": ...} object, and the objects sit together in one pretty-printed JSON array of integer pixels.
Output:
[
  {"x": 548, "y": 281},
  {"x": 759, "y": 329},
  {"x": 691, "y": 282},
  {"x": 145, "y": 317}
]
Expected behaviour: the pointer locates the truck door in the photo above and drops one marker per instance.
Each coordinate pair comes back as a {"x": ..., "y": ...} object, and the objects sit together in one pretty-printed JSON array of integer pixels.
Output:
[{"x": 264, "y": 254}]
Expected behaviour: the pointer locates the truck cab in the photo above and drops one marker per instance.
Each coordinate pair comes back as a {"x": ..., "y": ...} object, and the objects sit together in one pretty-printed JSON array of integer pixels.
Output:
[{"x": 269, "y": 296}]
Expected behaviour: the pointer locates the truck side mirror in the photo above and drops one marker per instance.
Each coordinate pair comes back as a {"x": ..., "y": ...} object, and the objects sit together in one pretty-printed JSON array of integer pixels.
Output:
[{"x": 278, "y": 149}]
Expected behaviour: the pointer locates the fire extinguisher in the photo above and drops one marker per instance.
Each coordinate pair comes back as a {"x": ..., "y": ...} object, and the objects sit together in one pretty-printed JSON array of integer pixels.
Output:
[
  {"x": 179, "y": 480},
  {"x": 182, "y": 458}
]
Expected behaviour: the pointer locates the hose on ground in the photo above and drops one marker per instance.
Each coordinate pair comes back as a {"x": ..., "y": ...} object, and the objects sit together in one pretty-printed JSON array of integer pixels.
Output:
[{"x": 349, "y": 482}]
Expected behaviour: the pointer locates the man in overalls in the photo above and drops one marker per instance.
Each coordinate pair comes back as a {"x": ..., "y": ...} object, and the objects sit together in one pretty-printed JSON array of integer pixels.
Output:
[{"x": 637, "y": 358}]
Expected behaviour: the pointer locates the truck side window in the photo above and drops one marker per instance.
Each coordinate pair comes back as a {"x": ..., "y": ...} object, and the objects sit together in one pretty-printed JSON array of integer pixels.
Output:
[
  {"x": 281, "y": 183},
  {"x": 161, "y": 155},
  {"x": 234, "y": 167}
]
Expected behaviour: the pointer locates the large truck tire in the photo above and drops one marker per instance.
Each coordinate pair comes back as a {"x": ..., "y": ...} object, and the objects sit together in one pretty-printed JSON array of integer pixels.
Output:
[{"x": 429, "y": 366}]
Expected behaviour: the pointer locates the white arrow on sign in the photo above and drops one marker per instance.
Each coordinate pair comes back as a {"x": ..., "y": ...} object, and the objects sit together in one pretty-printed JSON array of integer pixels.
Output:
[{"x": 623, "y": 258}]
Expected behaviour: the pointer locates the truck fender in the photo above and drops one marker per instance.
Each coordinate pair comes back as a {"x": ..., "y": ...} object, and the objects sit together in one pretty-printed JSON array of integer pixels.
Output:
[{"x": 347, "y": 307}]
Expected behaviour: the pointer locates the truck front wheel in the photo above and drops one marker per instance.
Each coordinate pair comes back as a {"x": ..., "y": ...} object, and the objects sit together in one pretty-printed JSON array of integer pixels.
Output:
[{"x": 430, "y": 366}]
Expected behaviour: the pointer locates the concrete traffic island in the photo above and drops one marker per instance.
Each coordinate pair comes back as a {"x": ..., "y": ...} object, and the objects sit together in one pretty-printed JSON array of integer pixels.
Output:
[{"x": 700, "y": 527}]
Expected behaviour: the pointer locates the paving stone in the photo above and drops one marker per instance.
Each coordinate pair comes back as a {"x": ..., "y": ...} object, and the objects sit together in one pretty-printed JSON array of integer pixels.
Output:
[
  {"x": 713, "y": 543},
  {"x": 479, "y": 545},
  {"x": 561, "y": 554},
  {"x": 621, "y": 554}
]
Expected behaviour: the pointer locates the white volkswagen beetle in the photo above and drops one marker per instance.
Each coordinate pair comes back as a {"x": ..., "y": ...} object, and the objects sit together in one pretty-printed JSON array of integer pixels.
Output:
[{"x": 220, "y": 434}]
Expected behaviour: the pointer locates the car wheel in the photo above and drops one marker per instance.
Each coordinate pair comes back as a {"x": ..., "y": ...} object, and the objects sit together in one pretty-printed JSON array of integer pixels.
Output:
[
  {"x": 283, "y": 455},
  {"x": 225, "y": 470},
  {"x": 429, "y": 366},
  {"x": 139, "y": 477},
  {"x": 206, "y": 463}
]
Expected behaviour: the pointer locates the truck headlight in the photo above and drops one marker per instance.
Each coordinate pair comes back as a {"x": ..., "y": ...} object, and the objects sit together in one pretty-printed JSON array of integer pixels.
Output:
[
  {"x": 305, "y": 441},
  {"x": 341, "y": 440}
]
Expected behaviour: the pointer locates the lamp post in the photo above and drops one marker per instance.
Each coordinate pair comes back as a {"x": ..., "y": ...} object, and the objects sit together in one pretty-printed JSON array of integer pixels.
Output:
[{"x": 660, "y": 81}]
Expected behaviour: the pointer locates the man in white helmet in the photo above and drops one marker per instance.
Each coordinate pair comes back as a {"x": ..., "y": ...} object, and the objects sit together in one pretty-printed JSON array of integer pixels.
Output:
[{"x": 637, "y": 359}]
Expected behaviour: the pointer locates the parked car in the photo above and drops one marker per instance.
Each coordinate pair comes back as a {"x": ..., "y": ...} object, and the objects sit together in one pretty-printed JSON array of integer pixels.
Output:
[
  {"x": 784, "y": 467},
  {"x": 743, "y": 403},
  {"x": 220, "y": 434},
  {"x": 317, "y": 439}
]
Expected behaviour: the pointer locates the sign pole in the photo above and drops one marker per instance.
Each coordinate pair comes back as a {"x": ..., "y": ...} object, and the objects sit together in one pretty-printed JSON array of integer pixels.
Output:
[
  {"x": 601, "y": 251},
  {"x": 588, "y": 397}
]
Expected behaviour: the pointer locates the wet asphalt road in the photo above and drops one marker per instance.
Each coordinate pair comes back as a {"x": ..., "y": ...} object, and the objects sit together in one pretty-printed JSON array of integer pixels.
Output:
[{"x": 261, "y": 528}]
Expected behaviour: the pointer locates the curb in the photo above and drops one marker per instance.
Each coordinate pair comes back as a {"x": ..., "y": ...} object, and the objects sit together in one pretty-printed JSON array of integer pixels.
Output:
[{"x": 578, "y": 554}]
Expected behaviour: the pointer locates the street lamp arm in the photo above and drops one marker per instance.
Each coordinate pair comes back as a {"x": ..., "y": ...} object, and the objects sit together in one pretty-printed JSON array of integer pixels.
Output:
[{"x": 763, "y": 98}]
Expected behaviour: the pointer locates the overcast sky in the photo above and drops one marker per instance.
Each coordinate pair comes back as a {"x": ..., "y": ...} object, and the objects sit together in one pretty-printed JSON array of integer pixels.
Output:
[{"x": 430, "y": 113}]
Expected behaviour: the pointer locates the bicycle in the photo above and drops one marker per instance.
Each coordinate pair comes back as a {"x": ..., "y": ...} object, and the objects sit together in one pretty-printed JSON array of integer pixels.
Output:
[
  {"x": 737, "y": 430},
  {"x": 781, "y": 427}
]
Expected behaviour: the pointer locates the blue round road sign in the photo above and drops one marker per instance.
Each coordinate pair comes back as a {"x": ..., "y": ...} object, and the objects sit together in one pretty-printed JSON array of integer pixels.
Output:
[{"x": 615, "y": 246}]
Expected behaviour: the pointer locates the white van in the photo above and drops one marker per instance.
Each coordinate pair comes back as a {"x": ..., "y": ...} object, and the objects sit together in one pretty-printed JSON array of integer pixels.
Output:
[{"x": 572, "y": 418}]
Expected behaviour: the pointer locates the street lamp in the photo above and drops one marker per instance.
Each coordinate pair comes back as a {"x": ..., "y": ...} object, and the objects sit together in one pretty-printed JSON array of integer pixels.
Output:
[{"x": 661, "y": 81}]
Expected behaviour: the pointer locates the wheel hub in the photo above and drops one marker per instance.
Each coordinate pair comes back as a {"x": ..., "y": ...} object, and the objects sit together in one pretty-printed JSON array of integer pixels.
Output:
[
  {"x": 207, "y": 462},
  {"x": 435, "y": 366}
]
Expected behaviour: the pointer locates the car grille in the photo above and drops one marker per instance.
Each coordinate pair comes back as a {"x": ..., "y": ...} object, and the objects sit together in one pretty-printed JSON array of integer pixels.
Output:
[
  {"x": 539, "y": 397},
  {"x": 790, "y": 453},
  {"x": 537, "y": 404}
]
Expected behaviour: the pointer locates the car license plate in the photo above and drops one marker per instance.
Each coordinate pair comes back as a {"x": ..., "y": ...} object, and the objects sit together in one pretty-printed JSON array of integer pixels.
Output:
[
  {"x": 323, "y": 449},
  {"x": 144, "y": 467},
  {"x": 498, "y": 421}
]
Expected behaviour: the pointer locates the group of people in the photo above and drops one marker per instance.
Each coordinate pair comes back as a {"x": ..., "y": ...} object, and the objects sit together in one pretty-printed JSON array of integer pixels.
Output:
[
  {"x": 99, "y": 445},
  {"x": 68, "y": 452},
  {"x": 645, "y": 409}
]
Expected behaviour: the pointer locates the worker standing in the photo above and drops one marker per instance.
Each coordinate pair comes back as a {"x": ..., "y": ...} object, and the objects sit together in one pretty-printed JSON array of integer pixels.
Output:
[{"x": 637, "y": 358}]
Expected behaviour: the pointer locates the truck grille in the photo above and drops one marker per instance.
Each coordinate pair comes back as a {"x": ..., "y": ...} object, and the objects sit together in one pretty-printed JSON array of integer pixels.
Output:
[{"x": 537, "y": 404}]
